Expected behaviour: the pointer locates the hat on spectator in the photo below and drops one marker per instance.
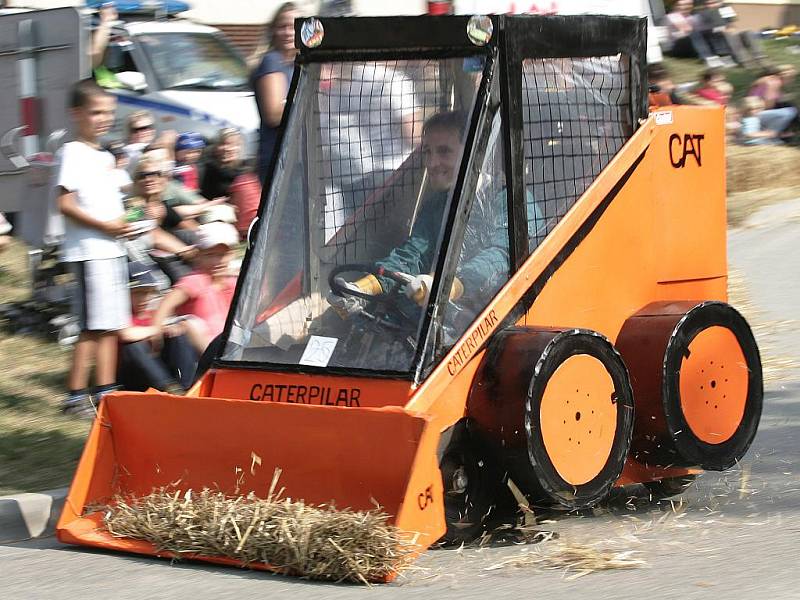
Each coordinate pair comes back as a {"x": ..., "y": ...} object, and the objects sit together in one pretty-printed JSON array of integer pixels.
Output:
[
  {"x": 216, "y": 234},
  {"x": 224, "y": 213},
  {"x": 140, "y": 276},
  {"x": 190, "y": 140}
]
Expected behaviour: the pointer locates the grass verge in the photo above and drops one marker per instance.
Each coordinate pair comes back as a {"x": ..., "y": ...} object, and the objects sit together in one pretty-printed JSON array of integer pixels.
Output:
[{"x": 39, "y": 447}]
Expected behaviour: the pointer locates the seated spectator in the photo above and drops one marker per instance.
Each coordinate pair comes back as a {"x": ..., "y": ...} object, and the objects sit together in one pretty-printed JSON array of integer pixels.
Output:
[
  {"x": 715, "y": 22},
  {"x": 760, "y": 126},
  {"x": 188, "y": 151},
  {"x": 684, "y": 39},
  {"x": 771, "y": 86},
  {"x": 158, "y": 224},
  {"x": 245, "y": 197},
  {"x": 663, "y": 91},
  {"x": 150, "y": 357},
  {"x": 224, "y": 165},
  {"x": 714, "y": 88},
  {"x": 205, "y": 295},
  {"x": 186, "y": 208},
  {"x": 140, "y": 130}
]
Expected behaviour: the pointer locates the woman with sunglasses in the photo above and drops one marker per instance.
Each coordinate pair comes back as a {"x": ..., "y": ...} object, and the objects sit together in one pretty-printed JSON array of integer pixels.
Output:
[
  {"x": 140, "y": 130},
  {"x": 156, "y": 245}
]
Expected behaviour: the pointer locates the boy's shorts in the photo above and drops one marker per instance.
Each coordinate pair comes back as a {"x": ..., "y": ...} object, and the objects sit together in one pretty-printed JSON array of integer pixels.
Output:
[{"x": 102, "y": 301}]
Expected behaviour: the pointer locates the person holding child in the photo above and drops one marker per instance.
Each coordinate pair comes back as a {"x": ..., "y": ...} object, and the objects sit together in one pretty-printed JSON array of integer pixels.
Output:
[{"x": 90, "y": 199}]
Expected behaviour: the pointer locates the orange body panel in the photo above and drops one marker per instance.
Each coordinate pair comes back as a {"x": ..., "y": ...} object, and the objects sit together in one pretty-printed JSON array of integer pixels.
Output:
[{"x": 657, "y": 215}]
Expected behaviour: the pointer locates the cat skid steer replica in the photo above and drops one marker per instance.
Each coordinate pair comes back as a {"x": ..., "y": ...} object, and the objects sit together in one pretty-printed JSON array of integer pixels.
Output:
[{"x": 575, "y": 336}]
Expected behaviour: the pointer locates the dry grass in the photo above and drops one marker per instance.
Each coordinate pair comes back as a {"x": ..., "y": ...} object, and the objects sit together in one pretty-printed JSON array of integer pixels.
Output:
[
  {"x": 315, "y": 542},
  {"x": 39, "y": 447},
  {"x": 575, "y": 560}
]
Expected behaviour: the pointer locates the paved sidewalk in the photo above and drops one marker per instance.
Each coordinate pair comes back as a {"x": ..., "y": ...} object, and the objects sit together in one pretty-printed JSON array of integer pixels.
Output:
[{"x": 26, "y": 516}]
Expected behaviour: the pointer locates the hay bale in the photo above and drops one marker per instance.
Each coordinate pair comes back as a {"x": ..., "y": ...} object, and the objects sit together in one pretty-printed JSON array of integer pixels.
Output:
[
  {"x": 315, "y": 542},
  {"x": 762, "y": 168}
]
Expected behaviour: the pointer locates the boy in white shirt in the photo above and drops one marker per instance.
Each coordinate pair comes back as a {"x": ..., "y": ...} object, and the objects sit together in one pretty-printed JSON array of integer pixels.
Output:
[{"x": 89, "y": 197}]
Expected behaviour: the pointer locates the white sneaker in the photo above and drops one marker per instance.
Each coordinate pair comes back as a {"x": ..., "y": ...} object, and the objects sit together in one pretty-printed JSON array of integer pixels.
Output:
[
  {"x": 714, "y": 62},
  {"x": 82, "y": 408}
]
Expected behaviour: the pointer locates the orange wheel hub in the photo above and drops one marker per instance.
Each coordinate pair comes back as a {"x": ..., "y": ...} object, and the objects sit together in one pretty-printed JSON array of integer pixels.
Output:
[
  {"x": 579, "y": 418},
  {"x": 714, "y": 385}
]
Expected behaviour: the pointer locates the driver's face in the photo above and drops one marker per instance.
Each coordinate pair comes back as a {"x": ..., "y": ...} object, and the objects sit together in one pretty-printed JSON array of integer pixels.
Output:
[{"x": 441, "y": 149}]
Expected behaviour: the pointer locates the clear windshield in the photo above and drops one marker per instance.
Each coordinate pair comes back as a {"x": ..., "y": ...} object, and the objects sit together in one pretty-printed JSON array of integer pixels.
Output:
[
  {"x": 355, "y": 215},
  {"x": 200, "y": 61}
]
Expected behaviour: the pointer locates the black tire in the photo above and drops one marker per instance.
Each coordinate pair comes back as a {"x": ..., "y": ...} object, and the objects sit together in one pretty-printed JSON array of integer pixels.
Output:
[
  {"x": 476, "y": 497},
  {"x": 552, "y": 487},
  {"x": 694, "y": 450}
]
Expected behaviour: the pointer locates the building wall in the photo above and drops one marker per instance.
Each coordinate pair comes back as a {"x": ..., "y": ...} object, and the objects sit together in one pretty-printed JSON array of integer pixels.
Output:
[{"x": 761, "y": 14}]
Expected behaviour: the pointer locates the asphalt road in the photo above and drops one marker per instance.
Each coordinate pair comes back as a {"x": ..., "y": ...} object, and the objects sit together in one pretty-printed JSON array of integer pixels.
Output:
[{"x": 734, "y": 535}]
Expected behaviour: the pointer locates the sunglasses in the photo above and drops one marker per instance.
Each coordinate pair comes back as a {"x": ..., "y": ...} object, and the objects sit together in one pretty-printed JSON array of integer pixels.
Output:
[
  {"x": 143, "y": 127},
  {"x": 146, "y": 174}
]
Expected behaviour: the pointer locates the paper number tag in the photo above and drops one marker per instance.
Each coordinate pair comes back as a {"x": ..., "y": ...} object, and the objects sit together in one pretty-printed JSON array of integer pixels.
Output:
[{"x": 318, "y": 351}]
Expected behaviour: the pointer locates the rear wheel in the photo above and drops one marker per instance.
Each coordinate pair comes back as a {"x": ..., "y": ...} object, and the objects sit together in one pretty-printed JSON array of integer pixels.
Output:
[{"x": 713, "y": 389}]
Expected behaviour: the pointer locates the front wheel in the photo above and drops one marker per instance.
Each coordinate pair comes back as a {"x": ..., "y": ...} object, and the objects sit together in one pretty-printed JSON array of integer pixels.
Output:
[
  {"x": 476, "y": 497},
  {"x": 670, "y": 486}
]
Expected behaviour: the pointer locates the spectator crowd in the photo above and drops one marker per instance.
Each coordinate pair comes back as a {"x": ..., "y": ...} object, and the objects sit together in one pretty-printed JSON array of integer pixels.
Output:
[{"x": 706, "y": 30}]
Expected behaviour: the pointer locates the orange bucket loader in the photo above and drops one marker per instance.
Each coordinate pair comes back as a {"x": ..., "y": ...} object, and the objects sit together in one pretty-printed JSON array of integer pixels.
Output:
[{"x": 528, "y": 283}]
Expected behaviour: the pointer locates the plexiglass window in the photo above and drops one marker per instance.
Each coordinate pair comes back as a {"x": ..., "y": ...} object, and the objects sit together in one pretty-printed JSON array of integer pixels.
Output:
[
  {"x": 355, "y": 212},
  {"x": 483, "y": 261}
]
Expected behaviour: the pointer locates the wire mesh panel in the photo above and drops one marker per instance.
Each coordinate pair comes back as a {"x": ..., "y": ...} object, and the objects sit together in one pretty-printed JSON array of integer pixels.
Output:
[
  {"x": 370, "y": 119},
  {"x": 576, "y": 116}
]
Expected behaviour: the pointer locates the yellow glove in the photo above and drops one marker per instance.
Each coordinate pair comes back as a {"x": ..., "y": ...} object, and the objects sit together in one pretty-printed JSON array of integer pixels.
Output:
[
  {"x": 369, "y": 284},
  {"x": 419, "y": 288}
]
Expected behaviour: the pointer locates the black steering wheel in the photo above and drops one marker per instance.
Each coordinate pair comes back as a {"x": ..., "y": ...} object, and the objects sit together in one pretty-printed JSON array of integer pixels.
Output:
[{"x": 378, "y": 307}]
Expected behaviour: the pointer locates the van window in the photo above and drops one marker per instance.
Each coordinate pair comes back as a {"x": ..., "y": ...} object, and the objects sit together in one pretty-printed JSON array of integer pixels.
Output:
[{"x": 193, "y": 61}]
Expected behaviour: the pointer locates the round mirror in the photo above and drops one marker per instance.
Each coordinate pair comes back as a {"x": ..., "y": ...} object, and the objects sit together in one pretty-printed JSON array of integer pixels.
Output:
[
  {"x": 312, "y": 32},
  {"x": 479, "y": 29}
]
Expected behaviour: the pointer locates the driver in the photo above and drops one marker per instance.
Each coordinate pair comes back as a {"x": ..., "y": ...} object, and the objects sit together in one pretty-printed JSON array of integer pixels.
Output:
[{"x": 442, "y": 141}]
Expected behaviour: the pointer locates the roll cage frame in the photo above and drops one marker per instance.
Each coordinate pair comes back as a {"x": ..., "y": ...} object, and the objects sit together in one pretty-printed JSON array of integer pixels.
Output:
[{"x": 514, "y": 39}]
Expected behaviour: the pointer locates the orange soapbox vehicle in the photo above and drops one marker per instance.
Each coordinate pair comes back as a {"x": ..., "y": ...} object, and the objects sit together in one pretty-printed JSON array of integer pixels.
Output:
[{"x": 478, "y": 258}]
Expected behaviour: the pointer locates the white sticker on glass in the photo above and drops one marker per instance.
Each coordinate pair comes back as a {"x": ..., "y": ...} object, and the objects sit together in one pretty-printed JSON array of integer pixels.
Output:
[{"x": 318, "y": 351}]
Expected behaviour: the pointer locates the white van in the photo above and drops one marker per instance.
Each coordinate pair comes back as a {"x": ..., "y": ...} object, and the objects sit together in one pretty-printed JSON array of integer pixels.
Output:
[{"x": 187, "y": 75}]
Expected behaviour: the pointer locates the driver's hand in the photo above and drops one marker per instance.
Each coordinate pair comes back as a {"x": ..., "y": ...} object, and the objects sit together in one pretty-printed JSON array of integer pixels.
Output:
[{"x": 419, "y": 288}]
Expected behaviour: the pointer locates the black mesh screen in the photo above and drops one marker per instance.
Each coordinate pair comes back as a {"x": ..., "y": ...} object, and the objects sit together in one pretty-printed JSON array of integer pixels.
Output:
[
  {"x": 369, "y": 123},
  {"x": 576, "y": 116}
]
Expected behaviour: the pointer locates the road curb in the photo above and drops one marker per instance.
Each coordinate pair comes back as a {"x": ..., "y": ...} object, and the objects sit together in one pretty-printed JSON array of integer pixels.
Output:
[{"x": 26, "y": 516}]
